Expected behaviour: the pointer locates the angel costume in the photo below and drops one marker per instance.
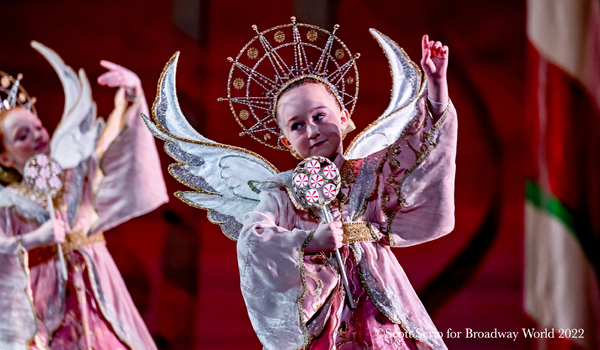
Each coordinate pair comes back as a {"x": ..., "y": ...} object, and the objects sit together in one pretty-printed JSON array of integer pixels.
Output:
[
  {"x": 294, "y": 297},
  {"x": 397, "y": 190},
  {"x": 112, "y": 177}
]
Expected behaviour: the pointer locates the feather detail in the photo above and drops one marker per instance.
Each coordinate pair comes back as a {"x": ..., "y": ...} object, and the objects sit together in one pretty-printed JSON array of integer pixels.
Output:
[
  {"x": 407, "y": 85},
  {"x": 218, "y": 174}
]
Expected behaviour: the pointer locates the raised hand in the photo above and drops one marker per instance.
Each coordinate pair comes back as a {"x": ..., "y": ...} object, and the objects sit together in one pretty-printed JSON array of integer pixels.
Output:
[
  {"x": 119, "y": 76},
  {"x": 327, "y": 237},
  {"x": 435, "y": 65},
  {"x": 435, "y": 58}
]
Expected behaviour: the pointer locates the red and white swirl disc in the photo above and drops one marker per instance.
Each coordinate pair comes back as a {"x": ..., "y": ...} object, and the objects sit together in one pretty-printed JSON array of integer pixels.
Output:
[
  {"x": 330, "y": 190},
  {"x": 301, "y": 180},
  {"x": 330, "y": 171},
  {"x": 312, "y": 195},
  {"x": 313, "y": 166},
  {"x": 316, "y": 181}
]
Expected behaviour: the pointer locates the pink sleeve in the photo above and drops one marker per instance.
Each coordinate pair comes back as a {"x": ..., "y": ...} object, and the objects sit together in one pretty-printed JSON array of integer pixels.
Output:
[
  {"x": 17, "y": 318},
  {"x": 417, "y": 192},
  {"x": 132, "y": 182},
  {"x": 8, "y": 243},
  {"x": 270, "y": 254}
]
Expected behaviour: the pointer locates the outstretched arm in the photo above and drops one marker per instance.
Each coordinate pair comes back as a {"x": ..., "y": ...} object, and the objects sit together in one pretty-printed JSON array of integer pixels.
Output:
[
  {"x": 132, "y": 182},
  {"x": 435, "y": 64},
  {"x": 119, "y": 76}
]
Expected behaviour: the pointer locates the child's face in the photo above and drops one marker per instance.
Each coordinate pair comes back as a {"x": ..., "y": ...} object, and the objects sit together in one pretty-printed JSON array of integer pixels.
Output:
[
  {"x": 311, "y": 121},
  {"x": 23, "y": 136}
]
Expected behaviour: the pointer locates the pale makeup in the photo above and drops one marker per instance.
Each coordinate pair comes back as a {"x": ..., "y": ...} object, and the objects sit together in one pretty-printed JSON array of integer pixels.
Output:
[
  {"x": 311, "y": 121},
  {"x": 24, "y": 137}
]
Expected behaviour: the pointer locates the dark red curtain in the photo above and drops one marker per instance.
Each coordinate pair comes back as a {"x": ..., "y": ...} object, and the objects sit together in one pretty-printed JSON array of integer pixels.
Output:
[{"x": 180, "y": 269}]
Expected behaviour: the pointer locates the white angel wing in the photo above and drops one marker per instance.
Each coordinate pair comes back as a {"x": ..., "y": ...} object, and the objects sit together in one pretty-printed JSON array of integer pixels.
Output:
[
  {"x": 218, "y": 173},
  {"x": 407, "y": 85},
  {"x": 75, "y": 137}
]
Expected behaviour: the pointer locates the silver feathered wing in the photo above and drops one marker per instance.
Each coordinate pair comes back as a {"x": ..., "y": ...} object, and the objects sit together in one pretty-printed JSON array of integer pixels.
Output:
[
  {"x": 75, "y": 137},
  {"x": 218, "y": 174},
  {"x": 212, "y": 169},
  {"x": 407, "y": 85}
]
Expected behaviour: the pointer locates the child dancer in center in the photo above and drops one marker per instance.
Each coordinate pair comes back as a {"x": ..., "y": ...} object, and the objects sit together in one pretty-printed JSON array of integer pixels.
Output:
[
  {"x": 412, "y": 202},
  {"x": 288, "y": 91}
]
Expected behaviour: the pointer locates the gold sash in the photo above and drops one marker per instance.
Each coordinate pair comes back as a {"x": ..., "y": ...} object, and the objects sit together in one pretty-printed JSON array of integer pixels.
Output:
[
  {"x": 73, "y": 240},
  {"x": 358, "y": 232}
]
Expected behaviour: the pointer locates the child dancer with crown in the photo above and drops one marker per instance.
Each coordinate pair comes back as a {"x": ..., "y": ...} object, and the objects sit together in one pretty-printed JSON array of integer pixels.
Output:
[
  {"x": 100, "y": 176},
  {"x": 397, "y": 188}
]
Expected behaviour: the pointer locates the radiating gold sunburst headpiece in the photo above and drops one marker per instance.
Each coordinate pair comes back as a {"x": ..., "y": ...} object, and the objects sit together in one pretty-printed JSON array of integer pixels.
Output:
[
  {"x": 12, "y": 93},
  {"x": 277, "y": 57}
]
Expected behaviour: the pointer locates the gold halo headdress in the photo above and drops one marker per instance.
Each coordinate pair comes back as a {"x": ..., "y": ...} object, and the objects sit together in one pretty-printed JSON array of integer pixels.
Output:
[
  {"x": 278, "y": 57},
  {"x": 13, "y": 94}
]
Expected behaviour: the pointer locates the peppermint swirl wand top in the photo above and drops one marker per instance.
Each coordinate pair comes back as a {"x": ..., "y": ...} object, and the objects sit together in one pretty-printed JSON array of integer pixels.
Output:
[{"x": 316, "y": 182}]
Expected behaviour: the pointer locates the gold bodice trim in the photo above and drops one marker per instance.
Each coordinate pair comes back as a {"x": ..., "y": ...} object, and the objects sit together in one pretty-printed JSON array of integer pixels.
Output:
[
  {"x": 73, "y": 241},
  {"x": 358, "y": 232}
]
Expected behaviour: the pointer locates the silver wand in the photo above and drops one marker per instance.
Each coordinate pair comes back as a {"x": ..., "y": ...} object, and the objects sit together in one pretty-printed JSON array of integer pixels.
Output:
[{"x": 316, "y": 183}]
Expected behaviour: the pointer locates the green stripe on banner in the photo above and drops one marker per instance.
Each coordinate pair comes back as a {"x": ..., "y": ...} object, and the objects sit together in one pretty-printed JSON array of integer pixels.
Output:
[
  {"x": 547, "y": 202},
  {"x": 550, "y": 204}
]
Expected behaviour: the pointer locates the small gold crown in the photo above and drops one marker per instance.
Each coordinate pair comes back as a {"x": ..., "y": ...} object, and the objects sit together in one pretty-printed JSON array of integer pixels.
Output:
[
  {"x": 274, "y": 59},
  {"x": 13, "y": 94}
]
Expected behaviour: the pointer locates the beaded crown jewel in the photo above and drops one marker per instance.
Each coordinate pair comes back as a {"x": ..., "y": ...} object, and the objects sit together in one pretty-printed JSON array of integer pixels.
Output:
[
  {"x": 12, "y": 93},
  {"x": 276, "y": 58}
]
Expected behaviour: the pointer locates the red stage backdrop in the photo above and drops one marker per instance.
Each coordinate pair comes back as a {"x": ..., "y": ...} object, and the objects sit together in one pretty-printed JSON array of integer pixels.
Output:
[{"x": 182, "y": 271}]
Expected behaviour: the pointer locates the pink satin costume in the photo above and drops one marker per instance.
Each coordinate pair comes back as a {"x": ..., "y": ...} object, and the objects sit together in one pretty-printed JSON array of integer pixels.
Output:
[
  {"x": 397, "y": 197},
  {"x": 93, "y": 309}
]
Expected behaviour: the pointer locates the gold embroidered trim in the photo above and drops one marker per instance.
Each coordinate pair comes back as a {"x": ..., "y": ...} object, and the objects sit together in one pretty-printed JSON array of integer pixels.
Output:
[
  {"x": 377, "y": 304},
  {"x": 77, "y": 240},
  {"x": 418, "y": 161},
  {"x": 357, "y": 232},
  {"x": 304, "y": 289},
  {"x": 72, "y": 242}
]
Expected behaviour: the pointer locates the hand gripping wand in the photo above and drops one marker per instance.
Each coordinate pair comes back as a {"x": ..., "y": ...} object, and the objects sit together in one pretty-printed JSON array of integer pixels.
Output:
[{"x": 316, "y": 182}]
